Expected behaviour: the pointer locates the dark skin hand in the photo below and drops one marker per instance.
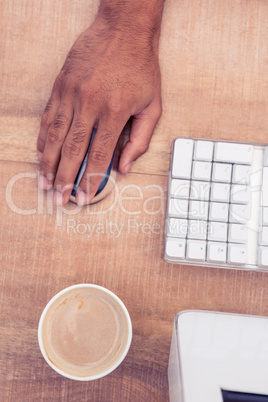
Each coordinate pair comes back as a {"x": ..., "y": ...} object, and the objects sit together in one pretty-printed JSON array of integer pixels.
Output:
[{"x": 111, "y": 74}]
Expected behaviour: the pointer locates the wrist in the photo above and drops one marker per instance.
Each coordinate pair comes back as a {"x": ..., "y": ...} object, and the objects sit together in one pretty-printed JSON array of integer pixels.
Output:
[{"x": 135, "y": 19}]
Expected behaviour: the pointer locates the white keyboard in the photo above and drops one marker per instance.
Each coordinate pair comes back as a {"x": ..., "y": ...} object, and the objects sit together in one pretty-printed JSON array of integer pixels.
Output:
[{"x": 217, "y": 205}]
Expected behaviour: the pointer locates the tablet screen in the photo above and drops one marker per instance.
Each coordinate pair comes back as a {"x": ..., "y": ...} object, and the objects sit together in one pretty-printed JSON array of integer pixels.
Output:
[{"x": 230, "y": 396}]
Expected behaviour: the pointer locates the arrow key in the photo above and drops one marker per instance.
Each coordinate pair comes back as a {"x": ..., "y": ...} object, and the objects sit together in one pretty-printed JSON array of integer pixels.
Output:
[
  {"x": 237, "y": 254},
  {"x": 196, "y": 250}
]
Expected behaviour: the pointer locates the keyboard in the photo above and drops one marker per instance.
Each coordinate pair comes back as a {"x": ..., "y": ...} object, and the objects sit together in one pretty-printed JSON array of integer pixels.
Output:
[{"x": 217, "y": 204}]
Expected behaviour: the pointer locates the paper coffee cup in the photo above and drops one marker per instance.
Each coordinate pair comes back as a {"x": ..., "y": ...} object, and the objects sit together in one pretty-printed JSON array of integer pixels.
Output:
[{"x": 84, "y": 332}]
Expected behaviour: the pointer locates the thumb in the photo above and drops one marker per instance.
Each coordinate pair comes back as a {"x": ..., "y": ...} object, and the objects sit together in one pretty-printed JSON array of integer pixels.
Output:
[{"x": 141, "y": 132}]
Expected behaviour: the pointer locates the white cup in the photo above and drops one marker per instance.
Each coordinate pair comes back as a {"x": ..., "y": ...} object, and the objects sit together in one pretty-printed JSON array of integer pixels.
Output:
[{"x": 84, "y": 332}]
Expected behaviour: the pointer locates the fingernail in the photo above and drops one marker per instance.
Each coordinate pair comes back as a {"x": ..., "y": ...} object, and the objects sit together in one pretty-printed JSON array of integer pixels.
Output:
[
  {"x": 39, "y": 155},
  {"x": 82, "y": 198},
  {"x": 57, "y": 198},
  {"x": 43, "y": 183}
]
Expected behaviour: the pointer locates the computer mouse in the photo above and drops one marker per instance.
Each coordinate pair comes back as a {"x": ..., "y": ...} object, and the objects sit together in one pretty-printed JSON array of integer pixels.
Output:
[{"x": 106, "y": 183}]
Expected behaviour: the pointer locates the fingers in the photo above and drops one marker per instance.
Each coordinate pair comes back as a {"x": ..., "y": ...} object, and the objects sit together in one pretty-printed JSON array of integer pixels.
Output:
[
  {"x": 99, "y": 159},
  {"x": 46, "y": 120},
  {"x": 72, "y": 154},
  {"x": 48, "y": 117},
  {"x": 55, "y": 138},
  {"x": 142, "y": 129},
  {"x": 67, "y": 140}
]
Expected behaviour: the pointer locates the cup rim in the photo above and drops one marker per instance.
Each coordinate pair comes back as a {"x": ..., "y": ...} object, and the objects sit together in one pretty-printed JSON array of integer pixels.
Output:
[{"x": 40, "y": 329}]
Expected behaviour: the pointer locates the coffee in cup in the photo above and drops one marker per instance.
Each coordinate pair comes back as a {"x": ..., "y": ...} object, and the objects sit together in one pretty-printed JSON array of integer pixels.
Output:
[{"x": 84, "y": 332}]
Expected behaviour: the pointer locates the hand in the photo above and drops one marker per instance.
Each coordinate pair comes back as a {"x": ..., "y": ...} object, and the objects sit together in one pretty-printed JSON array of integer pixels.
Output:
[{"x": 109, "y": 75}]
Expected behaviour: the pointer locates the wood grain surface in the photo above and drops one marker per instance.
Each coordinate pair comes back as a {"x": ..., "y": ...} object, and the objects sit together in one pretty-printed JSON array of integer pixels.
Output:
[{"x": 214, "y": 62}]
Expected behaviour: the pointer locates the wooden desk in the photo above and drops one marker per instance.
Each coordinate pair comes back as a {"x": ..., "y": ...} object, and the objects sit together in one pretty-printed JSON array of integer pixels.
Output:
[{"x": 214, "y": 61}]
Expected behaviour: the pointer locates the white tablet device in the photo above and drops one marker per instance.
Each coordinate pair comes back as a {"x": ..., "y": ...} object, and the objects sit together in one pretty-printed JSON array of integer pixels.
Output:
[{"x": 218, "y": 357}]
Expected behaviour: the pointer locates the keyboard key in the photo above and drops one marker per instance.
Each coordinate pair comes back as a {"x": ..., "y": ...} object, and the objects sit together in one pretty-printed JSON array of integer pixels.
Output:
[
  {"x": 200, "y": 190},
  {"x": 177, "y": 227},
  {"x": 198, "y": 210},
  {"x": 265, "y": 157},
  {"x": 240, "y": 194},
  {"x": 178, "y": 208},
  {"x": 264, "y": 198},
  {"x": 180, "y": 188},
  {"x": 196, "y": 250},
  {"x": 220, "y": 192},
  {"x": 217, "y": 231},
  {"x": 237, "y": 254},
  {"x": 218, "y": 211},
  {"x": 264, "y": 216},
  {"x": 233, "y": 153},
  {"x": 241, "y": 174},
  {"x": 216, "y": 252},
  {"x": 182, "y": 158},
  {"x": 175, "y": 248},
  {"x": 222, "y": 172},
  {"x": 197, "y": 230},
  {"x": 239, "y": 213},
  {"x": 238, "y": 233},
  {"x": 203, "y": 150},
  {"x": 201, "y": 170},
  {"x": 263, "y": 236},
  {"x": 263, "y": 257}
]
